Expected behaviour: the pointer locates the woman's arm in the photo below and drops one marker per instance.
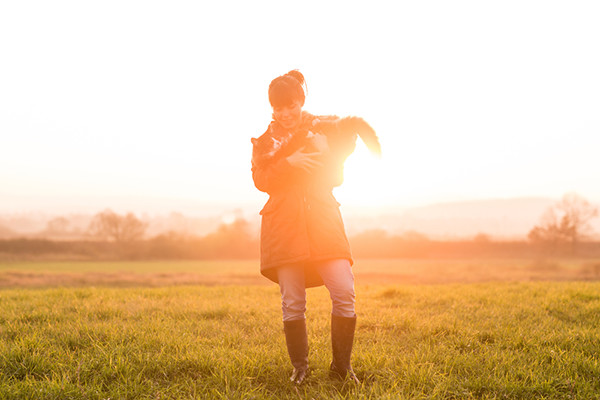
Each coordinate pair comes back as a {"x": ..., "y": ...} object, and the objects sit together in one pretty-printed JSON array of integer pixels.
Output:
[{"x": 269, "y": 176}]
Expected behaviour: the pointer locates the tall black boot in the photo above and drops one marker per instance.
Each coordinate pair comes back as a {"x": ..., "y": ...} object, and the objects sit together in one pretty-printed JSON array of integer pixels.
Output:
[
  {"x": 297, "y": 345},
  {"x": 342, "y": 337}
]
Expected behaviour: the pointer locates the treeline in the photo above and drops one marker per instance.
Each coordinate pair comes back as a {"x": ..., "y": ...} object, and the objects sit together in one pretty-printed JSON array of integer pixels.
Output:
[
  {"x": 229, "y": 241},
  {"x": 239, "y": 241},
  {"x": 563, "y": 230},
  {"x": 379, "y": 244}
]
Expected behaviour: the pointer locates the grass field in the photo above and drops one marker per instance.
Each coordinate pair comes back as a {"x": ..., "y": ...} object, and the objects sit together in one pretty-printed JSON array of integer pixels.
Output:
[
  {"x": 38, "y": 274},
  {"x": 204, "y": 330}
]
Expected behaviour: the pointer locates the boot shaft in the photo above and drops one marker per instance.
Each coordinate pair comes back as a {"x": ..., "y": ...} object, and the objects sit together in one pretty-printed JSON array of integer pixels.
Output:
[
  {"x": 342, "y": 339},
  {"x": 296, "y": 340}
]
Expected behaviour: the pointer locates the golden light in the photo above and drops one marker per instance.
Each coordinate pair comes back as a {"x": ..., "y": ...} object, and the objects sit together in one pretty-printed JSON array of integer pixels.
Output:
[{"x": 363, "y": 185}]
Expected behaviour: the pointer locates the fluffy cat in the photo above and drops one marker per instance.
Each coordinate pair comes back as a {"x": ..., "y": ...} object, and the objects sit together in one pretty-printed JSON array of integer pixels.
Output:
[
  {"x": 276, "y": 142},
  {"x": 347, "y": 126}
]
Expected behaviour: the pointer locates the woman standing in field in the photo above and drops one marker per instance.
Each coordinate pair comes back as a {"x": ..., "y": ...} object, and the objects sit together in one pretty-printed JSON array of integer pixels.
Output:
[{"x": 303, "y": 241}]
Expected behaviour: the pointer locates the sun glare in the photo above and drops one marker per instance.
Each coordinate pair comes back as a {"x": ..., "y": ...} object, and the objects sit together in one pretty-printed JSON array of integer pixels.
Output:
[{"x": 363, "y": 186}]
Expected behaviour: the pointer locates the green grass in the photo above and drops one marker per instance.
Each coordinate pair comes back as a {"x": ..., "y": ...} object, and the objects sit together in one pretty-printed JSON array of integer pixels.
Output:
[{"x": 513, "y": 340}]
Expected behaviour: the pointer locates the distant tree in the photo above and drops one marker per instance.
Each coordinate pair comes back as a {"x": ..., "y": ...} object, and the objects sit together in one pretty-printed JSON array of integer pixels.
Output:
[
  {"x": 108, "y": 225},
  {"x": 372, "y": 243},
  {"x": 233, "y": 240},
  {"x": 5, "y": 232},
  {"x": 414, "y": 236},
  {"x": 58, "y": 225},
  {"x": 482, "y": 238},
  {"x": 567, "y": 222}
]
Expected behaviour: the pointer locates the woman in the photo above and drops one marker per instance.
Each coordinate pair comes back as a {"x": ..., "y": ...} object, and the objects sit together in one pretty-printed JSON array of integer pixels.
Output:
[{"x": 303, "y": 241}]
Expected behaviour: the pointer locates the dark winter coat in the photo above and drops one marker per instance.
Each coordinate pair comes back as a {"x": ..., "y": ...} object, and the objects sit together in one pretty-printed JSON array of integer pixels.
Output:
[{"x": 301, "y": 221}]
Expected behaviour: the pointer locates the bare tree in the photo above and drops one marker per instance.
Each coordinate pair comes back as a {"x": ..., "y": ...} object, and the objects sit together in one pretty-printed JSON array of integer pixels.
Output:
[
  {"x": 108, "y": 225},
  {"x": 58, "y": 225},
  {"x": 568, "y": 222}
]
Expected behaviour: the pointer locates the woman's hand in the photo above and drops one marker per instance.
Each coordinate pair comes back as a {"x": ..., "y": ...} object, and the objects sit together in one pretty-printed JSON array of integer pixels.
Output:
[{"x": 305, "y": 161}]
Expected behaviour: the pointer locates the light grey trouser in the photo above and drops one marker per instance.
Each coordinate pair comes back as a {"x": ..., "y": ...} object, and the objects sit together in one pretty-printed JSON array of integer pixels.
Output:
[{"x": 338, "y": 278}]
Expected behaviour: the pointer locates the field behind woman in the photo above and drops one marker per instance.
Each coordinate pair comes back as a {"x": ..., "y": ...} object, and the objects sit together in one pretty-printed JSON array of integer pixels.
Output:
[{"x": 183, "y": 330}]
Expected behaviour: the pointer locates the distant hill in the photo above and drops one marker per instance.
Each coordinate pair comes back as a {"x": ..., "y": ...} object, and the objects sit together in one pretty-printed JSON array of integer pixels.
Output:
[{"x": 500, "y": 218}]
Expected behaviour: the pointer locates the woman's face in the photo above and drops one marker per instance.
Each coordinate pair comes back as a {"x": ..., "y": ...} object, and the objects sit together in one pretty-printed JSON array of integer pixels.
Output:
[{"x": 290, "y": 116}]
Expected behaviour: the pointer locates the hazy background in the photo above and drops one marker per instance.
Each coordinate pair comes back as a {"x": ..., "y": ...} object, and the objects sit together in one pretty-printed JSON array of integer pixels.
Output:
[{"x": 149, "y": 106}]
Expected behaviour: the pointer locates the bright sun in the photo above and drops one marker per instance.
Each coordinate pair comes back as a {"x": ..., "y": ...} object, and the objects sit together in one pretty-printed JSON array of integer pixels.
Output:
[{"x": 363, "y": 187}]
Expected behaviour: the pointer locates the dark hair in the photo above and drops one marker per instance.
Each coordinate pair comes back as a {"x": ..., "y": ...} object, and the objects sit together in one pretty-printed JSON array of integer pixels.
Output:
[{"x": 286, "y": 89}]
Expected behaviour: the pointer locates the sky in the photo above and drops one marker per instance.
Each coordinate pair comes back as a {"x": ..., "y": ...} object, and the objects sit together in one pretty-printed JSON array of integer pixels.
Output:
[{"x": 149, "y": 106}]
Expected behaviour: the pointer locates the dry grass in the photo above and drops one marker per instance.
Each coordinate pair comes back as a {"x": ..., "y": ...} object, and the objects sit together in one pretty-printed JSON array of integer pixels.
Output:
[
  {"x": 119, "y": 279},
  {"x": 477, "y": 271},
  {"x": 390, "y": 271}
]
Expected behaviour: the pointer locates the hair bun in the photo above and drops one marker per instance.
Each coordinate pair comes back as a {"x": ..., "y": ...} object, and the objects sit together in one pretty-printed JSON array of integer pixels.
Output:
[
  {"x": 297, "y": 75},
  {"x": 287, "y": 88}
]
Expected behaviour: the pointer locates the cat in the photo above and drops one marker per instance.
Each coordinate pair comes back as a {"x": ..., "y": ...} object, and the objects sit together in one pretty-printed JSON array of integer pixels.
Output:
[
  {"x": 277, "y": 142},
  {"x": 347, "y": 126}
]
